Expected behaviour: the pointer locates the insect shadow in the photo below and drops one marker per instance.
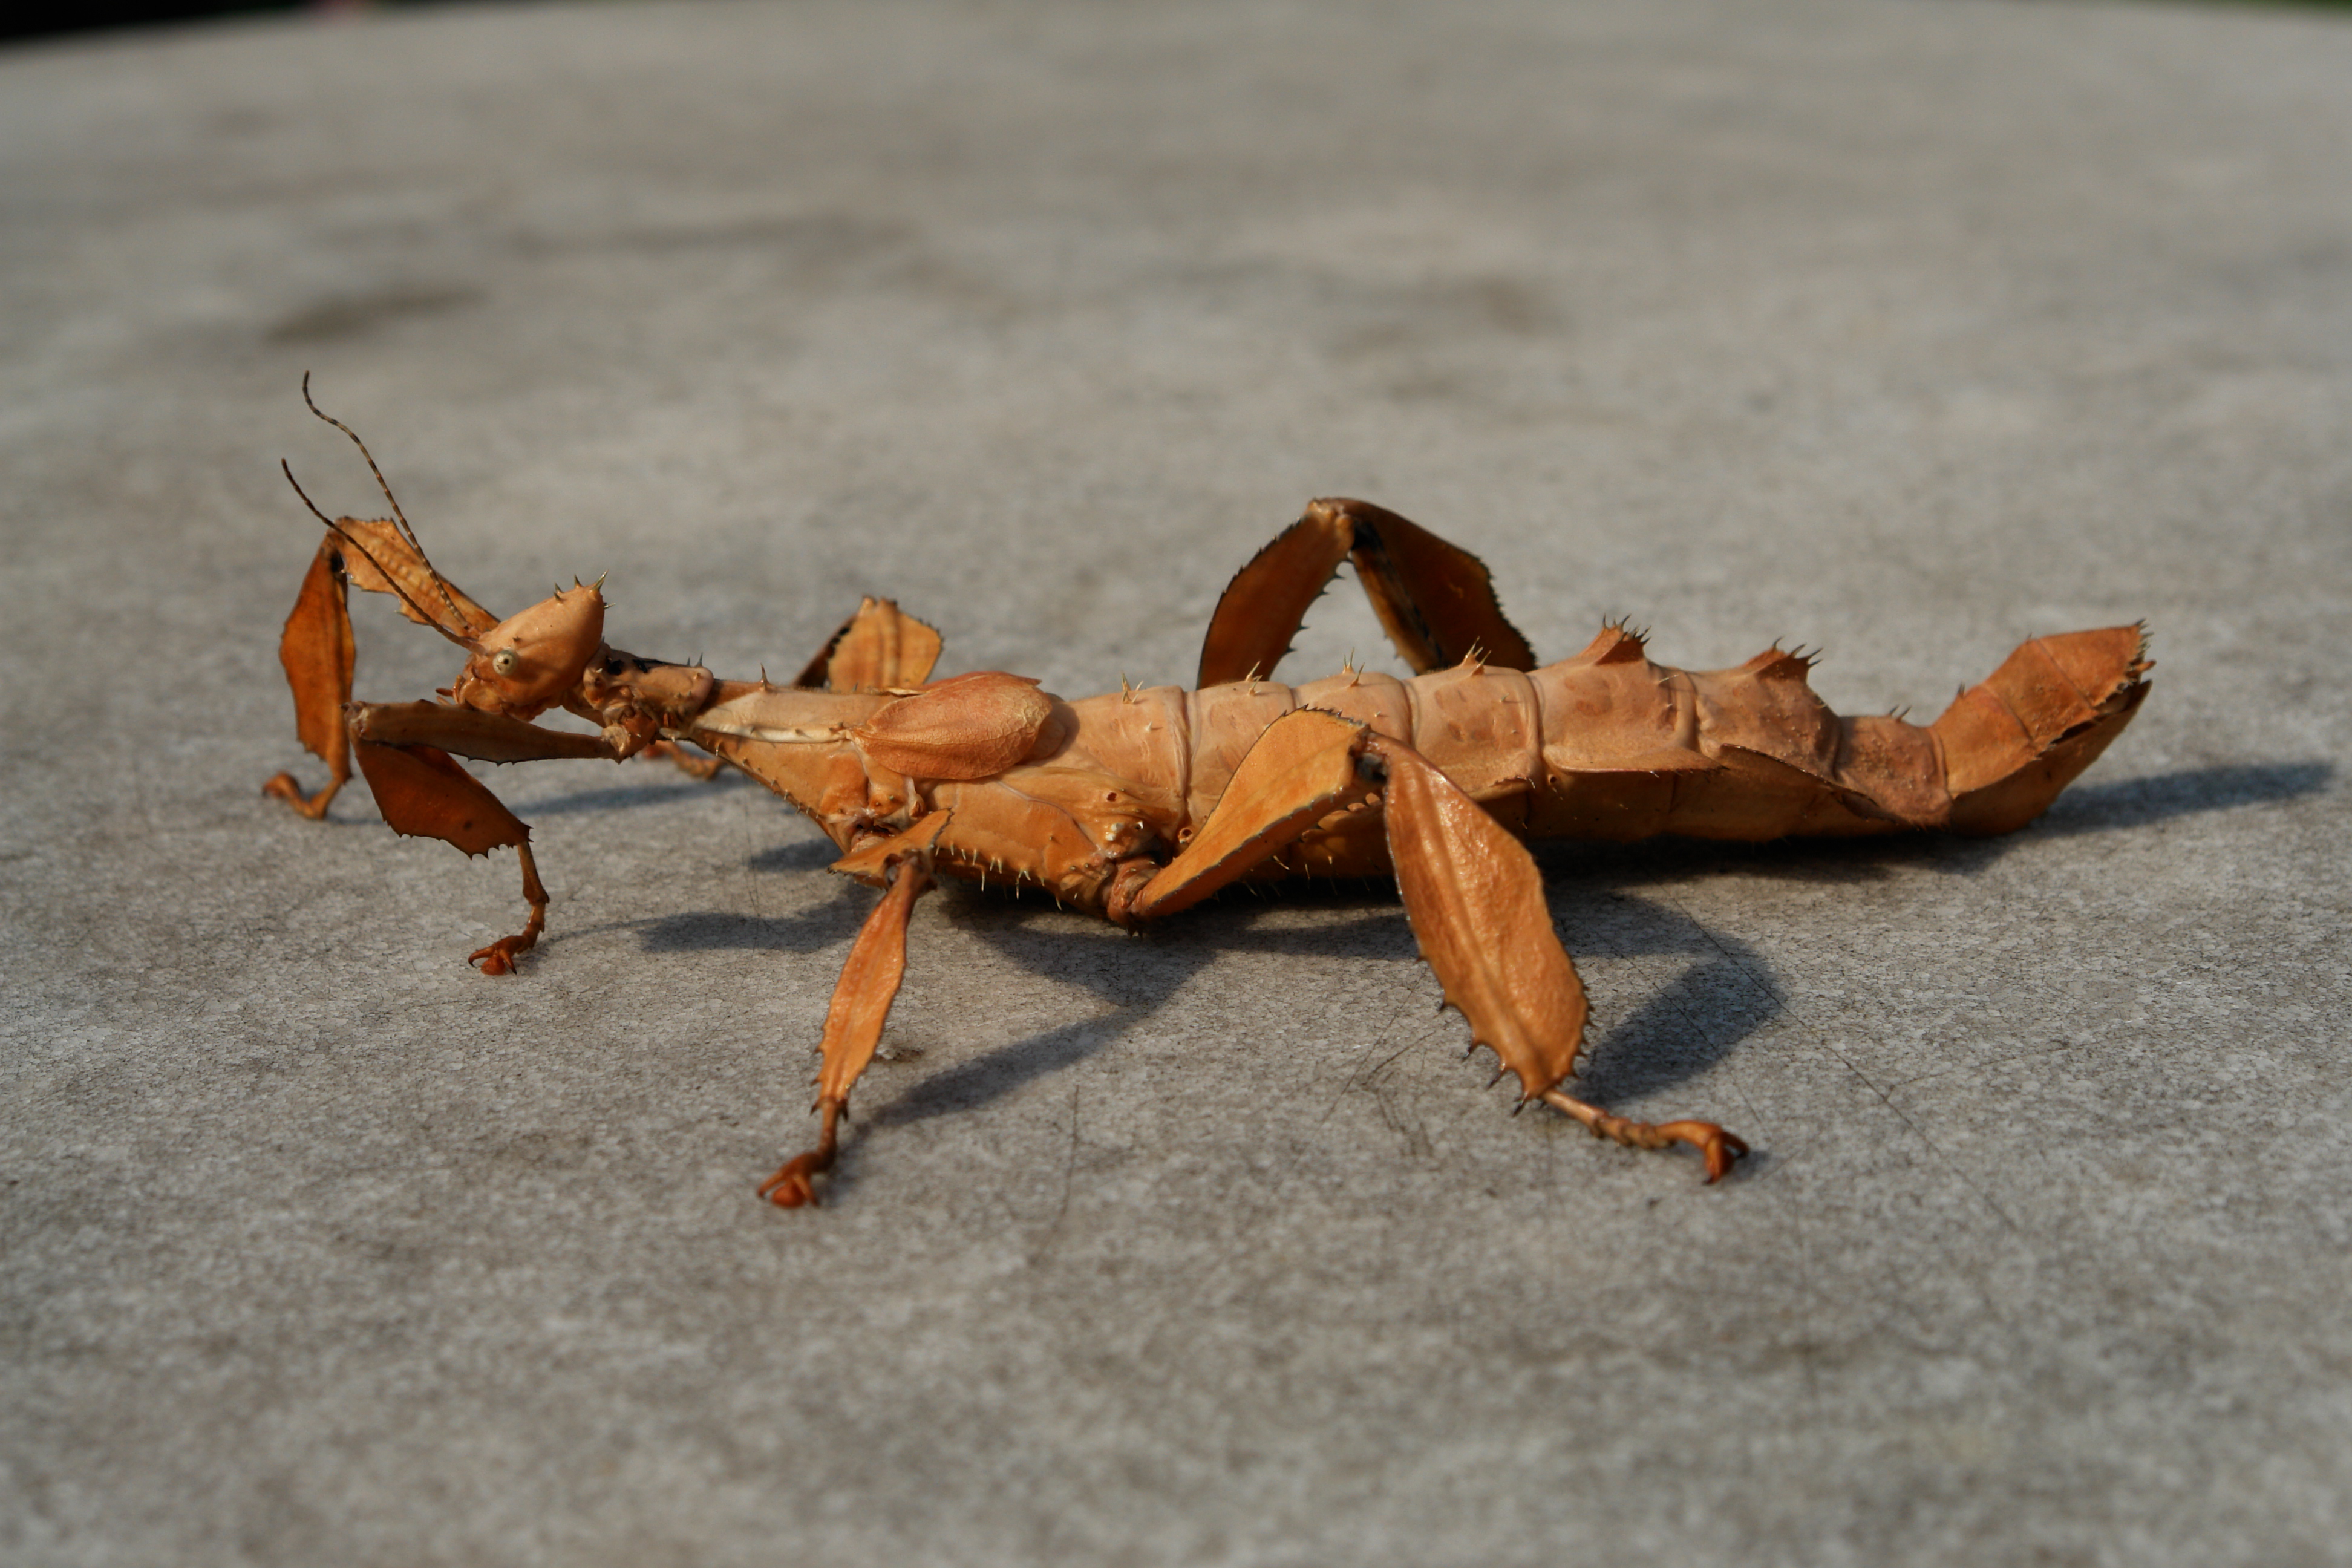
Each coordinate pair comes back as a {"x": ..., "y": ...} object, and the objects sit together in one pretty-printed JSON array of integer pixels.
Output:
[
  {"x": 2134, "y": 803},
  {"x": 1679, "y": 1031},
  {"x": 1682, "y": 1029},
  {"x": 2115, "y": 806},
  {"x": 642, "y": 792},
  {"x": 811, "y": 930}
]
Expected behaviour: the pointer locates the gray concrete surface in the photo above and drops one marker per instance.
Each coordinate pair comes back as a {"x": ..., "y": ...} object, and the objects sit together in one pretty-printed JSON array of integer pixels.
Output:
[{"x": 1909, "y": 330}]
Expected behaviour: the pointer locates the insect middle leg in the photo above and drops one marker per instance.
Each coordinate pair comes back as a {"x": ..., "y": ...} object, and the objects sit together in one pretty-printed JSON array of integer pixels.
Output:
[
  {"x": 853, "y": 1024},
  {"x": 694, "y": 767}
]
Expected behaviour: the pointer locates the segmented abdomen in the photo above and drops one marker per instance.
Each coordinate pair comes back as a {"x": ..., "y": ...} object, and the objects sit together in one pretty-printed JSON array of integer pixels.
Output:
[{"x": 1609, "y": 745}]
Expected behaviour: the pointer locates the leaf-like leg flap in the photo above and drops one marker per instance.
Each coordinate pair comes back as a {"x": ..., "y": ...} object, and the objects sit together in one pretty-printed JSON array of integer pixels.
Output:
[
  {"x": 317, "y": 651},
  {"x": 1477, "y": 908},
  {"x": 1301, "y": 767},
  {"x": 424, "y": 793},
  {"x": 382, "y": 561},
  {"x": 1476, "y": 904},
  {"x": 853, "y": 1025},
  {"x": 1263, "y": 606},
  {"x": 971, "y": 727},
  {"x": 1435, "y": 600},
  {"x": 879, "y": 649}
]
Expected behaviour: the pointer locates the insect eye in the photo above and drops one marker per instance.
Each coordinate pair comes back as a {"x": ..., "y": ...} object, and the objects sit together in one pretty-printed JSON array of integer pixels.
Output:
[{"x": 505, "y": 660}]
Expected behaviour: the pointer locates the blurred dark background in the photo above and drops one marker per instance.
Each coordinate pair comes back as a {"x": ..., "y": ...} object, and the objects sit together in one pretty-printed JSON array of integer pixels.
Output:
[
  {"x": 35, "y": 18},
  {"x": 32, "y": 18}
]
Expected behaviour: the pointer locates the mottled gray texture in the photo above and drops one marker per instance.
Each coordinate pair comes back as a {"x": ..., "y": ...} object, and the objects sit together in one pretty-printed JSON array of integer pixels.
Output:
[{"x": 1909, "y": 330}]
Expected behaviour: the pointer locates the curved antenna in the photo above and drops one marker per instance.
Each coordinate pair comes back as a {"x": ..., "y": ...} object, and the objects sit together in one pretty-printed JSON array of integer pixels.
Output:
[
  {"x": 398, "y": 516},
  {"x": 345, "y": 534}
]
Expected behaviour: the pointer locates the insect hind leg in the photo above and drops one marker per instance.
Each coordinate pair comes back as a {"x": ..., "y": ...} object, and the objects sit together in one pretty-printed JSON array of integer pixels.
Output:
[
  {"x": 1477, "y": 910},
  {"x": 1717, "y": 1147},
  {"x": 1434, "y": 599}
]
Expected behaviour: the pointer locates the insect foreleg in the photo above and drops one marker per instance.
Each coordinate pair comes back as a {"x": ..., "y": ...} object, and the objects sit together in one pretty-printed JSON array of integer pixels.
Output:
[
  {"x": 404, "y": 748},
  {"x": 1718, "y": 1148},
  {"x": 317, "y": 652},
  {"x": 499, "y": 957},
  {"x": 317, "y": 649}
]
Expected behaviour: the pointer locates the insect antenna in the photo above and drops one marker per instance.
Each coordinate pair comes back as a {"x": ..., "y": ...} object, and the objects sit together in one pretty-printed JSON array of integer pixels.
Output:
[
  {"x": 393, "y": 501},
  {"x": 345, "y": 534}
]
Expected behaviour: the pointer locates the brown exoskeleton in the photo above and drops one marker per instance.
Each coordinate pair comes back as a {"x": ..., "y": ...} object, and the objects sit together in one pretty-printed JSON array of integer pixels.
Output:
[{"x": 1137, "y": 803}]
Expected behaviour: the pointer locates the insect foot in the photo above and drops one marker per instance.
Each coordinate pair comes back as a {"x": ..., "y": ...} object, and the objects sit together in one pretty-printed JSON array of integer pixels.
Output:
[
  {"x": 1718, "y": 1148},
  {"x": 282, "y": 786},
  {"x": 793, "y": 1184},
  {"x": 498, "y": 958}
]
